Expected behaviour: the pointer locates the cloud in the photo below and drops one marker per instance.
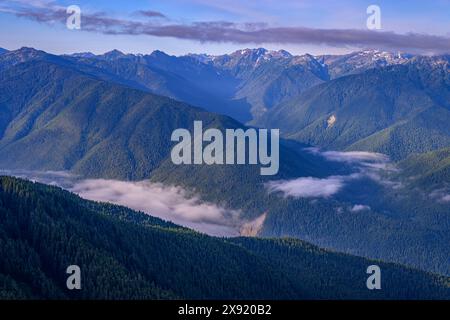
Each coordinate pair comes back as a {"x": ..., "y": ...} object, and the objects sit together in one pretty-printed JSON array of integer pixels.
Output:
[
  {"x": 363, "y": 164},
  {"x": 242, "y": 33},
  {"x": 169, "y": 203},
  {"x": 355, "y": 156},
  {"x": 369, "y": 163},
  {"x": 166, "y": 202},
  {"x": 441, "y": 195},
  {"x": 308, "y": 187},
  {"x": 150, "y": 14},
  {"x": 359, "y": 207},
  {"x": 361, "y": 158}
]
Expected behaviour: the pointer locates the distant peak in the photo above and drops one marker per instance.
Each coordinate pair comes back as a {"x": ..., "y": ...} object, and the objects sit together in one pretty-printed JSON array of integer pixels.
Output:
[
  {"x": 260, "y": 54},
  {"x": 159, "y": 54},
  {"x": 309, "y": 56},
  {"x": 248, "y": 52},
  {"x": 283, "y": 53},
  {"x": 306, "y": 57},
  {"x": 114, "y": 51},
  {"x": 28, "y": 49},
  {"x": 25, "y": 48},
  {"x": 113, "y": 54},
  {"x": 27, "y": 52},
  {"x": 260, "y": 50},
  {"x": 202, "y": 57}
]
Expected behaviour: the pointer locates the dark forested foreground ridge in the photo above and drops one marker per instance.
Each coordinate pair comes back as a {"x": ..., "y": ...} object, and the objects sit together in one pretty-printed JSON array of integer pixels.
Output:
[{"x": 124, "y": 254}]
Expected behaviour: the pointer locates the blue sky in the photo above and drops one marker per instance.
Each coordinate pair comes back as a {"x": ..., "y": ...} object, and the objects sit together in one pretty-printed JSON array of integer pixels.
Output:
[{"x": 216, "y": 27}]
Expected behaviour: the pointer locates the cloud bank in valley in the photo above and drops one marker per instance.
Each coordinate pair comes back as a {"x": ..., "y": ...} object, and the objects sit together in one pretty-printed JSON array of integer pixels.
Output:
[
  {"x": 169, "y": 203},
  {"x": 166, "y": 202},
  {"x": 366, "y": 165},
  {"x": 355, "y": 156},
  {"x": 361, "y": 158}
]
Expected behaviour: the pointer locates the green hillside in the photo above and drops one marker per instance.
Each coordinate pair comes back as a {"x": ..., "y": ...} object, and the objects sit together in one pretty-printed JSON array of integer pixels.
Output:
[
  {"x": 56, "y": 117},
  {"x": 398, "y": 227},
  {"x": 426, "y": 131},
  {"x": 430, "y": 171},
  {"x": 398, "y": 110},
  {"x": 70, "y": 120},
  {"x": 128, "y": 255}
]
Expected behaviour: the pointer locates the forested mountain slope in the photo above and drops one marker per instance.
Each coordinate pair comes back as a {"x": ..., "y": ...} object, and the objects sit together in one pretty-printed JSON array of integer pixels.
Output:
[
  {"x": 128, "y": 255},
  {"x": 56, "y": 117},
  {"x": 397, "y": 110}
]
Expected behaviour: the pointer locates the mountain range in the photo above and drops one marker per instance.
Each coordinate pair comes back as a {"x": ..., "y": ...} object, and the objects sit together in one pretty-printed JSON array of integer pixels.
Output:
[
  {"x": 110, "y": 116},
  {"x": 243, "y": 85},
  {"x": 396, "y": 110},
  {"x": 394, "y": 94}
]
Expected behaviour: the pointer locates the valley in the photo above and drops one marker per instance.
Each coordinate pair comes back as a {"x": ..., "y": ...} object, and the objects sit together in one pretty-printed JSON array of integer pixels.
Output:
[
  {"x": 122, "y": 254},
  {"x": 216, "y": 159},
  {"x": 363, "y": 157}
]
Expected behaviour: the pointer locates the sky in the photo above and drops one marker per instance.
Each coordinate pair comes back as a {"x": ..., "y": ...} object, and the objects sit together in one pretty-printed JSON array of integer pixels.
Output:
[{"x": 216, "y": 27}]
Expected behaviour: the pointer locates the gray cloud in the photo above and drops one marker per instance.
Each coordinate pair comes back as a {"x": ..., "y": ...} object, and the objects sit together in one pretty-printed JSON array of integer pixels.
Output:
[
  {"x": 245, "y": 33},
  {"x": 151, "y": 14}
]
